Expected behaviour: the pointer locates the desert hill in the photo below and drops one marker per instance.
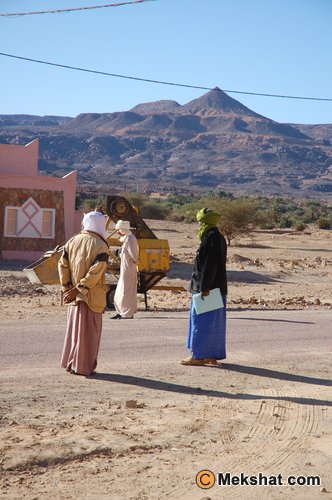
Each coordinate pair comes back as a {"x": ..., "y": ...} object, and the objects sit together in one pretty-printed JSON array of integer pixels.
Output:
[{"x": 213, "y": 142}]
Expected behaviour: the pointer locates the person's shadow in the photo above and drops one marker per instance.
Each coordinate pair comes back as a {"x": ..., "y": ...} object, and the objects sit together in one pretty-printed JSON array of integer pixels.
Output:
[
  {"x": 185, "y": 389},
  {"x": 267, "y": 373}
]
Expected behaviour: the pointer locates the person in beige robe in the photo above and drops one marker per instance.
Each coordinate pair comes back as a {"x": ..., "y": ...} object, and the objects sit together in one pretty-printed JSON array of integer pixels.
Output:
[
  {"x": 125, "y": 297},
  {"x": 82, "y": 269}
]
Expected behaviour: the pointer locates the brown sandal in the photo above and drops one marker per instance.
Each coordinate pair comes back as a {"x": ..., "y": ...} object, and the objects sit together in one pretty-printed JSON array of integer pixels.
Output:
[
  {"x": 198, "y": 362},
  {"x": 211, "y": 361}
]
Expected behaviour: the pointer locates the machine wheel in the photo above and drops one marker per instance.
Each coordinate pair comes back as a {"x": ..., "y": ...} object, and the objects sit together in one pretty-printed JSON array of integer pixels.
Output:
[{"x": 110, "y": 297}]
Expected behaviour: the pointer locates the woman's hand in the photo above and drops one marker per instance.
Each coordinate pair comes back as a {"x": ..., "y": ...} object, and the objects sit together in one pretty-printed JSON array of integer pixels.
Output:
[
  {"x": 205, "y": 294},
  {"x": 70, "y": 295}
]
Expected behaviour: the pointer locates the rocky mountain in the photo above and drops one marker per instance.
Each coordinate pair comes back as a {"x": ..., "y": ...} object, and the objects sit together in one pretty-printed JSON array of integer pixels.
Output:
[
  {"x": 211, "y": 143},
  {"x": 31, "y": 120}
]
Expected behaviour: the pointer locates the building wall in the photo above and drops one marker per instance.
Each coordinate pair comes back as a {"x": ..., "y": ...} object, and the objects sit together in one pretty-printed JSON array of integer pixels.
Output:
[
  {"x": 19, "y": 160},
  {"x": 31, "y": 247},
  {"x": 19, "y": 181}
]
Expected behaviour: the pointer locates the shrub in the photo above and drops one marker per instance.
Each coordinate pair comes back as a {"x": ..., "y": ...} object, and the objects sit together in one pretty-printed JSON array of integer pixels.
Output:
[
  {"x": 323, "y": 223},
  {"x": 285, "y": 222},
  {"x": 299, "y": 226},
  {"x": 153, "y": 210}
]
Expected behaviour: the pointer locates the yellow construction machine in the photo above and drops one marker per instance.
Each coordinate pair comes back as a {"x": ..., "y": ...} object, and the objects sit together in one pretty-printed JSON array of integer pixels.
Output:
[{"x": 154, "y": 255}]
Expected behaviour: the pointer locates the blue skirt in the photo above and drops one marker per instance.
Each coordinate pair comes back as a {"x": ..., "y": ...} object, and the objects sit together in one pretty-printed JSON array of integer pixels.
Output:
[{"x": 207, "y": 333}]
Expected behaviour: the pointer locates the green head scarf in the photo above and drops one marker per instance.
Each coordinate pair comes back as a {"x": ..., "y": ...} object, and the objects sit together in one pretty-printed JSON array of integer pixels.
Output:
[{"x": 207, "y": 219}]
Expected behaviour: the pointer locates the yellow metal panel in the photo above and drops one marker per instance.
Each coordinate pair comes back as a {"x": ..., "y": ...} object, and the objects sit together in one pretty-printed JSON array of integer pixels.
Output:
[
  {"x": 45, "y": 270},
  {"x": 153, "y": 255},
  {"x": 152, "y": 243},
  {"x": 113, "y": 242}
]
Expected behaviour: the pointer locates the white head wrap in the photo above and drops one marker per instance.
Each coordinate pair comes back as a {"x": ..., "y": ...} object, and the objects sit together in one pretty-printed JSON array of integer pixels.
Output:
[
  {"x": 124, "y": 227},
  {"x": 95, "y": 221}
]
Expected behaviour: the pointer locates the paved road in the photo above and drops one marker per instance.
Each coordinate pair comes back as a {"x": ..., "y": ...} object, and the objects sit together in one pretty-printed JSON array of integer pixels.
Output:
[{"x": 160, "y": 337}]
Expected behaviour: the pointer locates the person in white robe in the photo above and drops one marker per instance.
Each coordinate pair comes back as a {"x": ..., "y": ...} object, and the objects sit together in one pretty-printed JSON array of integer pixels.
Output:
[{"x": 125, "y": 297}]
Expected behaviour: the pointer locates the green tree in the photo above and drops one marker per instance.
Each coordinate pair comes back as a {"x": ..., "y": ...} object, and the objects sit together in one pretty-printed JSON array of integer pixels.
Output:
[
  {"x": 238, "y": 217},
  {"x": 154, "y": 210},
  {"x": 89, "y": 204}
]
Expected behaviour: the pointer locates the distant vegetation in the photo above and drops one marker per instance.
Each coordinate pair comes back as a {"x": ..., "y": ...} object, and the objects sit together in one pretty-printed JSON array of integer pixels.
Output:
[{"x": 239, "y": 215}]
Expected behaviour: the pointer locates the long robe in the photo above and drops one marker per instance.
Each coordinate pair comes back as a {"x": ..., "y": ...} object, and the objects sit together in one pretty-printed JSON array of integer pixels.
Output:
[
  {"x": 81, "y": 346},
  {"x": 207, "y": 333},
  {"x": 125, "y": 297}
]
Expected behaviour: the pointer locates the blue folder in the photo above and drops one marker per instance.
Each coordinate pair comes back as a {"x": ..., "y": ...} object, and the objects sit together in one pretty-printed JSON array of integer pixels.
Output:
[{"x": 211, "y": 302}]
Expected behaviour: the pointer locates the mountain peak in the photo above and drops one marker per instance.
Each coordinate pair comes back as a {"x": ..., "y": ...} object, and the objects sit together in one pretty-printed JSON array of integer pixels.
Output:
[
  {"x": 216, "y": 99},
  {"x": 156, "y": 107}
]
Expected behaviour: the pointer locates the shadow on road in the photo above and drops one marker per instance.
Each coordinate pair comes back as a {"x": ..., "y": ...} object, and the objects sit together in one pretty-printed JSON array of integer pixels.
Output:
[
  {"x": 184, "y": 389},
  {"x": 278, "y": 320},
  {"x": 264, "y": 372},
  {"x": 252, "y": 277},
  {"x": 232, "y": 308},
  {"x": 311, "y": 249}
]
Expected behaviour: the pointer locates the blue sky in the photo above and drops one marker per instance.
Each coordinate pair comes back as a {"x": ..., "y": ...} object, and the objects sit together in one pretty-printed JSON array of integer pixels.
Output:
[{"x": 268, "y": 46}]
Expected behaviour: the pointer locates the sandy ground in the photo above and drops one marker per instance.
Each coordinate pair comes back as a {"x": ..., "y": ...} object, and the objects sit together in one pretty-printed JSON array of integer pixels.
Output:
[{"x": 144, "y": 426}]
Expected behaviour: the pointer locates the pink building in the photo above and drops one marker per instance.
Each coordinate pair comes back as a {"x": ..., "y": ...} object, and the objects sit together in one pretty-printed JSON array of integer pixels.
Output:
[{"x": 37, "y": 213}]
